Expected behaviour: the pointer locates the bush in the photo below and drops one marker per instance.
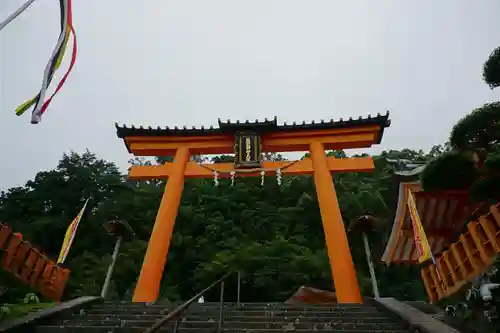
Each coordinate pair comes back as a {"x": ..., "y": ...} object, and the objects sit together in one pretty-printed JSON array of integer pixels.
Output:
[
  {"x": 486, "y": 189},
  {"x": 4, "y": 311},
  {"x": 492, "y": 163},
  {"x": 449, "y": 171},
  {"x": 31, "y": 298}
]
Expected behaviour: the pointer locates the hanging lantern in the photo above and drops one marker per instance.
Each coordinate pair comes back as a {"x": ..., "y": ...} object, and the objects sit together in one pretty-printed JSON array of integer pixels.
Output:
[{"x": 118, "y": 228}]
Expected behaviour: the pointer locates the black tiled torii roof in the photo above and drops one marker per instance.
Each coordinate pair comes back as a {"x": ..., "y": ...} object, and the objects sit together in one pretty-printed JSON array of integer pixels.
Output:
[{"x": 229, "y": 127}]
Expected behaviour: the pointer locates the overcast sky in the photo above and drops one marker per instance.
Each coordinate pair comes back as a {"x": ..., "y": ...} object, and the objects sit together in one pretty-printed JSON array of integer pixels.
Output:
[{"x": 187, "y": 62}]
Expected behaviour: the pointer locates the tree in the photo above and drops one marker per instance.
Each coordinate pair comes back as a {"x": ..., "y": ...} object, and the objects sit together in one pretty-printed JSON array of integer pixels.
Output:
[
  {"x": 478, "y": 132},
  {"x": 272, "y": 233},
  {"x": 449, "y": 171},
  {"x": 475, "y": 141},
  {"x": 491, "y": 69}
]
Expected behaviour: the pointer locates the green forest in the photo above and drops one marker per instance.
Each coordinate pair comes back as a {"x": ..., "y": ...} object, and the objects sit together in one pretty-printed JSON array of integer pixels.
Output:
[{"x": 272, "y": 234}]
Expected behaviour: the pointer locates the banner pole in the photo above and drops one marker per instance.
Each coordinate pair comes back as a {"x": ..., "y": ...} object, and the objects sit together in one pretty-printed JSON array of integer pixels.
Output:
[{"x": 15, "y": 14}]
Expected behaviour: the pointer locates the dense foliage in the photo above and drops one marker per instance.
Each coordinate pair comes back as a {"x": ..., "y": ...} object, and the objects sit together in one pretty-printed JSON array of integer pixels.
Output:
[
  {"x": 474, "y": 162},
  {"x": 449, "y": 171},
  {"x": 272, "y": 233},
  {"x": 491, "y": 69},
  {"x": 478, "y": 130}
]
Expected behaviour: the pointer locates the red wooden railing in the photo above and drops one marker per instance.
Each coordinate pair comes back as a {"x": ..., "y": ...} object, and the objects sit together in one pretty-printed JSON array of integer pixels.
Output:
[
  {"x": 471, "y": 255},
  {"x": 30, "y": 266}
]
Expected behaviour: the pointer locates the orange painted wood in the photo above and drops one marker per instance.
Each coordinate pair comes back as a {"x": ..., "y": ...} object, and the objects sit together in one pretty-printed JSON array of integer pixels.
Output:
[
  {"x": 473, "y": 242},
  {"x": 58, "y": 283},
  {"x": 357, "y": 137},
  {"x": 5, "y": 233},
  {"x": 431, "y": 232},
  {"x": 29, "y": 265},
  {"x": 403, "y": 246},
  {"x": 347, "y": 140},
  {"x": 38, "y": 270},
  {"x": 394, "y": 247},
  {"x": 495, "y": 212},
  {"x": 435, "y": 280},
  {"x": 428, "y": 284},
  {"x": 413, "y": 251},
  {"x": 20, "y": 258},
  {"x": 489, "y": 230},
  {"x": 323, "y": 132},
  {"x": 472, "y": 227},
  {"x": 54, "y": 281},
  {"x": 47, "y": 271},
  {"x": 316, "y": 141},
  {"x": 148, "y": 284},
  {"x": 444, "y": 274},
  {"x": 143, "y": 148},
  {"x": 10, "y": 252},
  {"x": 451, "y": 268},
  {"x": 194, "y": 170},
  {"x": 467, "y": 263},
  {"x": 343, "y": 271},
  {"x": 456, "y": 255},
  {"x": 302, "y": 134},
  {"x": 179, "y": 139},
  {"x": 446, "y": 224},
  {"x": 468, "y": 251},
  {"x": 461, "y": 195}
]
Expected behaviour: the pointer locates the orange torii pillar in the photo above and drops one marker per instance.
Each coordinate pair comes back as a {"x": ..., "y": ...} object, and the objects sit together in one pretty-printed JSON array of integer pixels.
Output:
[
  {"x": 341, "y": 264},
  {"x": 148, "y": 284},
  {"x": 315, "y": 138}
]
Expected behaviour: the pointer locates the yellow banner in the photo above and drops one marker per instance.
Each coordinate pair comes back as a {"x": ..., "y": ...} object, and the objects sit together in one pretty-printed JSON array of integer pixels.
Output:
[
  {"x": 70, "y": 235},
  {"x": 421, "y": 242}
]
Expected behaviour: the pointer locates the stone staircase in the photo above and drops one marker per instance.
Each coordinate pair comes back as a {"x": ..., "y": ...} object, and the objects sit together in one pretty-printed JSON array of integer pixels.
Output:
[{"x": 110, "y": 317}]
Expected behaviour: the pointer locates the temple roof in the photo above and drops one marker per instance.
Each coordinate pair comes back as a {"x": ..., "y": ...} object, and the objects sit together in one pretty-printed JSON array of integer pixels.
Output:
[
  {"x": 407, "y": 170},
  {"x": 443, "y": 216},
  {"x": 229, "y": 127}
]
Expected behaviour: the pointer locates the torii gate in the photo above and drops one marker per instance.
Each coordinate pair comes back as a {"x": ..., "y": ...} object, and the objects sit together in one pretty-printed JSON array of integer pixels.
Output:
[{"x": 247, "y": 141}]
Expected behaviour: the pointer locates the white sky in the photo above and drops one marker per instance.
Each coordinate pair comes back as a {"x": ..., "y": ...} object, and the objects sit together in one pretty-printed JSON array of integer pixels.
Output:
[{"x": 159, "y": 62}]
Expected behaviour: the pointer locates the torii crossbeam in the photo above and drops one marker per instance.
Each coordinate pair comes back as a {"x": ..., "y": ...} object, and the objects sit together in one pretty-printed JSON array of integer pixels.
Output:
[{"x": 247, "y": 141}]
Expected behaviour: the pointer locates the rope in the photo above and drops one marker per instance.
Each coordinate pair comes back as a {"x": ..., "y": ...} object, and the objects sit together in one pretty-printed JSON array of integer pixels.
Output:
[
  {"x": 249, "y": 170},
  {"x": 15, "y": 14}
]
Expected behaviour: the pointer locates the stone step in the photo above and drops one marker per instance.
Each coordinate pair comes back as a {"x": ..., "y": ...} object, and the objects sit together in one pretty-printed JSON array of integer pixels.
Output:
[
  {"x": 374, "y": 318},
  {"x": 271, "y": 304},
  {"x": 111, "y": 329},
  {"x": 242, "y": 307},
  {"x": 92, "y": 329},
  {"x": 293, "y": 325},
  {"x": 110, "y": 317},
  {"x": 302, "y": 325},
  {"x": 232, "y": 312},
  {"x": 234, "y": 305},
  {"x": 248, "y": 325}
]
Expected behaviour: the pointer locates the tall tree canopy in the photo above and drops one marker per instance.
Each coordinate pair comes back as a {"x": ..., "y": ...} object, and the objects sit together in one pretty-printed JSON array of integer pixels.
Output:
[
  {"x": 474, "y": 162},
  {"x": 491, "y": 69}
]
